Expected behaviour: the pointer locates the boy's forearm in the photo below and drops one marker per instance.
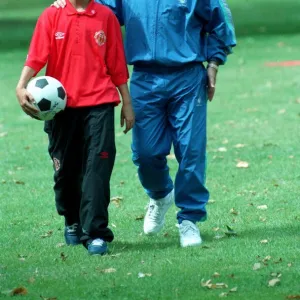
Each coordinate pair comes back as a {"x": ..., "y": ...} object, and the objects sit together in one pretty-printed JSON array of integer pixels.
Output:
[
  {"x": 26, "y": 75},
  {"x": 123, "y": 89}
]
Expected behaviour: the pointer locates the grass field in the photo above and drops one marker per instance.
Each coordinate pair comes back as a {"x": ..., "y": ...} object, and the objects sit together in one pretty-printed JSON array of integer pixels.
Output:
[{"x": 254, "y": 118}]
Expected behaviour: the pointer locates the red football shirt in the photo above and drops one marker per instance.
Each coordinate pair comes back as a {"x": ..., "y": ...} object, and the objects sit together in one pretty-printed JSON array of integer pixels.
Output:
[{"x": 83, "y": 50}]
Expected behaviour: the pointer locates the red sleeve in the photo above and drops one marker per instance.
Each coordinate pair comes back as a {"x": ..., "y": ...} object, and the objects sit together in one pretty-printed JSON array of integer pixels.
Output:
[
  {"x": 115, "y": 55},
  {"x": 39, "y": 49}
]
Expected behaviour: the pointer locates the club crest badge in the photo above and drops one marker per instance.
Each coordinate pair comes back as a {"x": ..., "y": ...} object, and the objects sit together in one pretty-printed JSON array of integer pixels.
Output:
[{"x": 100, "y": 38}]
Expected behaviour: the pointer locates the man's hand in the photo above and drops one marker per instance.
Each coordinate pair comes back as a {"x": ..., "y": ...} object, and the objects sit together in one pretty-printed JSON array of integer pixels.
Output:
[
  {"x": 25, "y": 100},
  {"x": 59, "y": 3},
  {"x": 127, "y": 116},
  {"x": 212, "y": 78}
]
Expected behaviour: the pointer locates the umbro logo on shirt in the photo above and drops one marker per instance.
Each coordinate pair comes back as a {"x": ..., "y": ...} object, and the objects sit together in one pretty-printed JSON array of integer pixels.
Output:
[{"x": 59, "y": 35}]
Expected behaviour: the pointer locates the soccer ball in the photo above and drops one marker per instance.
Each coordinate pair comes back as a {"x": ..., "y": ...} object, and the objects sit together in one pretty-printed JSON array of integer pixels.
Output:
[{"x": 49, "y": 96}]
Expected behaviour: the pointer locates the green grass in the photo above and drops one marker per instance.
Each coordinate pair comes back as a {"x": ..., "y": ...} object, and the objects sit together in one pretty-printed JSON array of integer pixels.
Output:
[{"x": 255, "y": 105}]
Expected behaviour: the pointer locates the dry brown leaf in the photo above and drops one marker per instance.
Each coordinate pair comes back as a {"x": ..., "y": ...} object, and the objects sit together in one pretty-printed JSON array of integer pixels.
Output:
[
  {"x": 264, "y": 241},
  {"x": 273, "y": 282},
  {"x": 281, "y": 111},
  {"x": 19, "y": 291},
  {"x": 63, "y": 256},
  {"x": 139, "y": 218},
  {"x": 267, "y": 258},
  {"x": 116, "y": 200},
  {"x": 109, "y": 270},
  {"x": 293, "y": 297},
  {"x": 234, "y": 212},
  {"x": 211, "y": 201},
  {"x": 45, "y": 298},
  {"x": 262, "y": 219},
  {"x": 256, "y": 266},
  {"x": 19, "y": 182},
  {"x": 233, "y": 290},
  {"x": 210, "y": 285},
  {"x": 242, "y": 164},
  {"x": 31, "y": 280},
  {"x": 3, "y": 181},
  {"x": 47, "y": 234},
  {"x": 3, "y": 134},
  {"x": 216, "y": 274},
  {"x": 60, "y": 245},
  {"x": 224, "y": 294},
  {"x": 262, "y": 207},
  {"x": 225, "y": 141},
  {"x": 239, "y": 146},
  {"x": 142, "y": 275},
  {"x": 289, "y": 265},
  {"x": 216, "y": 228},
  {"x": 278, "y": 261},
  {"x": 222, "y": 149}
]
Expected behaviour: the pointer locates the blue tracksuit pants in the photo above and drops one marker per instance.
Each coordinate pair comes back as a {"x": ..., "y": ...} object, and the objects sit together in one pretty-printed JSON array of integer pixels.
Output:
[{"x": 171, "y": 106}]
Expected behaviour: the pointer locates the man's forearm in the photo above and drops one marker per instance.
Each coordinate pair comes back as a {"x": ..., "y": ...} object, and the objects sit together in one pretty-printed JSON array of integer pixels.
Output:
[{"x": 26, "y": 75}]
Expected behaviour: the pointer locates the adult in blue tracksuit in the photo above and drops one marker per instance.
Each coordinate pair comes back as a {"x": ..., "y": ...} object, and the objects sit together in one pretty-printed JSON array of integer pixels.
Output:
[{"x": 167, "y": 42}]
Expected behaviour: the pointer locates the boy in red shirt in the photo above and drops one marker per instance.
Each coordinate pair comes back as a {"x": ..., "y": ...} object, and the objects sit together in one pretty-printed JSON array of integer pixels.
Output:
[{"x": 82, "y": 47}]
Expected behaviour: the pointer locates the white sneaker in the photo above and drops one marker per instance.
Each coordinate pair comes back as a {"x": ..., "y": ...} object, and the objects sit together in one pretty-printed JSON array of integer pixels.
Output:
[
  {"x": 189, "y": 234},
  {"x": 155, "y": 216}
]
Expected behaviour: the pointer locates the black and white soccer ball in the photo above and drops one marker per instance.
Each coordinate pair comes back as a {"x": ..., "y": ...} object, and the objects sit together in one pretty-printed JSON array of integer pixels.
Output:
[{"x": 49, "y": 96}]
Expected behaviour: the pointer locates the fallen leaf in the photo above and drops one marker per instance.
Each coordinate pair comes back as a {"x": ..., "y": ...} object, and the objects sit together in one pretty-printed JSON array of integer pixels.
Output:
[
  {"x": 60, "y": 245},
  {"x": 223, "y": 295},
  {"x": 3, "y": 134},
  {"x": 281, "y": 111},
  {"x": 222, "y": 149},
  {"x": 289, "y": 265},
  {"x": 278, "y": 275},
  {"x": 31, "y": 280},
  {"x": 109, "y": 270},
  {"x": 233, "y": 290},
  {"x": 256, "y": 266},
  {"x": 234, "y": 212},
  {"x": 216, "y": 228},
  {"x": 116, "y": 200},
  {"x": 242, "y": 164},
  {"x": 225, "y": 141},
  {"x": 142, "y": 275},
  {"x": 63, "y": 256},
  {"x": 293, "y": 297},
  {"x": 230, "y": 232},
  {"x": 262, "y": 207},
  {"x": 19, "y": 182},
  {"x": 45, "y": 298},
  {"x": 211, "y": 201},
  {"x": 273, "y": 282},
  {"x": 19, "y": 291},
  {"x": 278, "y": 261},
  {"x": 264, "y": 241},
  {"x": 47, "y": 234},
  {"x": 140, "y": 217},
  {"x": 267, "y": 258},
  {"x": 216, "y": 274},
  {"x": 113, "y": 225},
  {"x": 239, "y": 146},
  {"x": 262, "y": 219},
  {"x": 3, "y": 181},
  {"x": 210, "y": 285}
]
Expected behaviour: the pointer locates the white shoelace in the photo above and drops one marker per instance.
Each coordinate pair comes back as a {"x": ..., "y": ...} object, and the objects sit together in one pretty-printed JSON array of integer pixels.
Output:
[{"x": 189, "y": 228}]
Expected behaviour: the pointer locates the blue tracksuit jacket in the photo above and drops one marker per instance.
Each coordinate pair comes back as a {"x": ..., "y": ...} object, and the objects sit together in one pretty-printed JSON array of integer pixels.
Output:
[{"x": 174, "y": 32}]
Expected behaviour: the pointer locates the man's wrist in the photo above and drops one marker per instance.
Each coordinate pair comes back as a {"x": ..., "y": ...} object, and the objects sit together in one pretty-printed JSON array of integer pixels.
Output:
[{"x": 213, "y": 65}]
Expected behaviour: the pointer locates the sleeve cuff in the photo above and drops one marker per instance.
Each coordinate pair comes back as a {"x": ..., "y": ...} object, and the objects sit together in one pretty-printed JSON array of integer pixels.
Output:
[{"x": 35, "y": 65}]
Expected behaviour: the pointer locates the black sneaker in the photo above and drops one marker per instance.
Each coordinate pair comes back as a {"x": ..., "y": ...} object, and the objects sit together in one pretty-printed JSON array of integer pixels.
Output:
[{"x": 73, "y": 234}]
